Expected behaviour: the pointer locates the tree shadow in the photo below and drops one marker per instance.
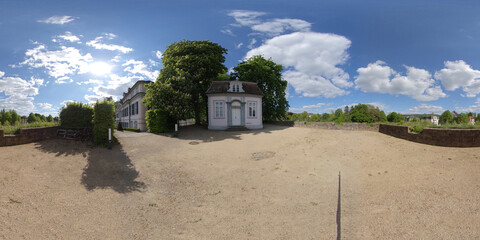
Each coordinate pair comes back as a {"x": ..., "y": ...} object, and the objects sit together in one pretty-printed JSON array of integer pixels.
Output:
[
  {"x": 105, "y": 168},
  {"x": 202, "y": 134}
]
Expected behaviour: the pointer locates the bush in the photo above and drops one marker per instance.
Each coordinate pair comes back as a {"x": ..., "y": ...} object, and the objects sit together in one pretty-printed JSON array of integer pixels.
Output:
[
  {"x": 119, "y": 126},
  {"x": 103, "y": 119},
  {"x": 158, "y": 121},
  {"x": 16, "y": 129},
  {"x": 76, "y": 115},
  {"x": 417, "y": 129},
  {"x": 132, "y": 129}
]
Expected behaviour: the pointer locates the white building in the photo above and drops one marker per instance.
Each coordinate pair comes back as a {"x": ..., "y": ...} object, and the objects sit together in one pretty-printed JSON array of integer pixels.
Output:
[
  {"x": 130, "y": 110},
  {"x": 434, "y": 120},
  {"x": 234, "y": 104}
]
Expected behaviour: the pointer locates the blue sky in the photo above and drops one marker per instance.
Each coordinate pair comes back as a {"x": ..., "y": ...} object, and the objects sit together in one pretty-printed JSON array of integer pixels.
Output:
[{"x": 403, "y": 56}]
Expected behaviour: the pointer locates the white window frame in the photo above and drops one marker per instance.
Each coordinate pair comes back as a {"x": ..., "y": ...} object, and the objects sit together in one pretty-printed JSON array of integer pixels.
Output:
[
  {"x": 219, "y": 109},
  {"x": 252, "y": 109}
]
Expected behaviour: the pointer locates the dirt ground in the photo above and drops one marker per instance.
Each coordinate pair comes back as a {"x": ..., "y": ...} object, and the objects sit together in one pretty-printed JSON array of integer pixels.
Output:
[{"x": 275, "y": 183}]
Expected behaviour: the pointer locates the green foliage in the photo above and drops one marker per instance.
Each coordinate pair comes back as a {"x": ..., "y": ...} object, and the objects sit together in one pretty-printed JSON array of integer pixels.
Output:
[
  {"x": 268, "y": 75},
  {"x": 315, "y": 118},
  {"x": 339, "y": 117},
  {"x": 446, "y": 117},
  {"x": 417, "y": 128},
  {"x": 325, "y": 117},
  {"x": 395, "y": 117},
  {"x": 119, "y": 126},
  {"x": 9, "y": 118},
  {"x": 16, "y": 129},
  {"x": 76, "y": 115},
  {"x": 462, "y": 118},
  {"x": 32, "y": 118},
  {"x": 163, "y": 96},
  {"x": 103, "y": 119},
  {"x": 360, "y": 113},
  {"x": 159, "y": 121},
  {"x": 189, "y": 67},
  {"x": 132, "y": 129},
  {"x": 49, "y": 118}
]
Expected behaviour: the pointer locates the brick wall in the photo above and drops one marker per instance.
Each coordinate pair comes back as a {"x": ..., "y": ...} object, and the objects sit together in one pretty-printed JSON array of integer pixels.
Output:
[
  {"x": 28, "y": 135},
  {"x": 434, "y": 136}
]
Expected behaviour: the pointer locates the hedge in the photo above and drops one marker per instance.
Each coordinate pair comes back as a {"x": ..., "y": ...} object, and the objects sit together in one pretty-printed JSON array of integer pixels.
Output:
[
  {"x": 158, "y": 121},
  {"x": 76, "y": 115},
  {"x": 103, "y": 119}
]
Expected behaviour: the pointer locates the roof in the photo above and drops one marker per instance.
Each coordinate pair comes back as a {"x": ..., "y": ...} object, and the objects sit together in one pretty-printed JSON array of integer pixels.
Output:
[{"x": 223, "y": 86}]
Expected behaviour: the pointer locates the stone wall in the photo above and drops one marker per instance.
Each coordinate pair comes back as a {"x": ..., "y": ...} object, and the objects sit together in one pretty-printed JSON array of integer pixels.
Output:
[
  {"x": 333, "y": 126},
  {"x": 28, "y": 135},
  {"x": 435, "y": 136}
]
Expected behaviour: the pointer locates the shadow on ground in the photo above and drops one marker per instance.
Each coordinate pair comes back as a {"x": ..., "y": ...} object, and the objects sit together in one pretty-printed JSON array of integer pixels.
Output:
[
  {"x": 202, "y": 134},
  {"x": 105, "y": 168}
]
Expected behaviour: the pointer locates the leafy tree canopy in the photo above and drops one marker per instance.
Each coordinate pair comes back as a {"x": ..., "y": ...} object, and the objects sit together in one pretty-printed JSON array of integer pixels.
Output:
[
  {"x": 189, "y": 67},
  {"x": 268, "y": 75},
  {"x": 446, "y": 117}
]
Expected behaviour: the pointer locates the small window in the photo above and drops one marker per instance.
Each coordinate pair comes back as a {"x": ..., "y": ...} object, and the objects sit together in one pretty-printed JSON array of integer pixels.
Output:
[
  {"x": 136, "y": 108},
  {"x": 219, "y": 109},
  {"x": 252, "y": 109}
]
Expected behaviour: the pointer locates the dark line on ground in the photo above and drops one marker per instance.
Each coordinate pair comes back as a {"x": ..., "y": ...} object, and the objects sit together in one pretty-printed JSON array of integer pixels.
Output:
[{"x": 339, "y": 211}]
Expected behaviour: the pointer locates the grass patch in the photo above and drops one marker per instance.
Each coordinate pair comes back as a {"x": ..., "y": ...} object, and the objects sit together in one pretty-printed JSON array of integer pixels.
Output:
[{"x": 8, "y": 129}]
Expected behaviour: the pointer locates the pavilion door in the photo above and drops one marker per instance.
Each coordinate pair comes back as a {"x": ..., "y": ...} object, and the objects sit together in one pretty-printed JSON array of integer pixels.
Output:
[{"x": 236, "y": 121}]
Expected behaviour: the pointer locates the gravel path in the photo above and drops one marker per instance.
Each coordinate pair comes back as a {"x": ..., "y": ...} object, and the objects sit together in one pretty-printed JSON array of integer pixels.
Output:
[{"x": 277, "y": 183}]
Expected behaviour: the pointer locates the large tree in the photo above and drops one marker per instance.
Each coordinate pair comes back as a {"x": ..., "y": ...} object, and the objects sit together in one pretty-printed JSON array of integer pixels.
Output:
[
  {"x": 189, "y": 67},
  {"x": 268, "y": 75}
]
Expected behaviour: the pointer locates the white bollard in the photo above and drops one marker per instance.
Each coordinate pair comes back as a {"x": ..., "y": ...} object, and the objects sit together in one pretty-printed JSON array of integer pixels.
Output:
[{"x": 109, "y": 138}]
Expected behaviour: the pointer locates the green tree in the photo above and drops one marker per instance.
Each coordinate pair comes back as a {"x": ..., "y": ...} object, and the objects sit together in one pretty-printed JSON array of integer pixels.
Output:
[
  {"x": 189, "y": 67},
  {"x": 268, "y": 75},
  {"x": 315, "y": 118},
  {"x": 49, "y": 118},
  {"x": 325, "y": 117},
  {"x": 462, "y": 118},
  {"x": 14, "y": 117},
  {"x": 32, "y": 118},
  {"x": 3, "y": 115},
  {"x": 395, "y": 117},
  {"x": 359, "y": 113},
  {"x": 446, "y": 117},
  {"x": 339, "y": 116}
]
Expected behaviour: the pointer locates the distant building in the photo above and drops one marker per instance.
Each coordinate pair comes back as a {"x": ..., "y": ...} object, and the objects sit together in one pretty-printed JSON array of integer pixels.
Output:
[
  {"x": 130, "y": 111},
  {"x": 471, "y": 120},
  {"x": 23, "y": 119},
  {"x": 234, "y": 104},
  {"x": 432, "y": 118}
]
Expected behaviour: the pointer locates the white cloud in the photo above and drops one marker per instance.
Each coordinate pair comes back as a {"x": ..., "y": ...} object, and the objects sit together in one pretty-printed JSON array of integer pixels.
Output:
[
  {"x": 459, "y": 74},
  {"x": 18, "y": 93},
  {"x": 68, "y": 36},
  {"x": 312, "y": 85},
  {"x": 380, "y": 78},
  {"x": 426, "y": 108},
  {"x": 45, "y": 106},
  {"x": 138, "y": 67},
  {"x": 310, "y": 108},
  {"x": 227, "y": 31},
  {"x": 60, "y": 63},
  {"x": 116, "y": 59},
  {"x": 158, "y": 54},
  {"x": 64, "y": 103},
  {"x": 246, "y": 18},
  {"x": 252, "y": 43},
  {"x": 57, "y": 19},
  {"x": 238, "y": 45},
  {"x": 96, "y": 43},
  {"x": 471, "y": 108},
  {"x": 114, "y": 87},
  {"x": 90, "y": 81},
  {"x": 278, "y": 26},
  {"x": 314, "y": 58},
  {"x": 273, "y": 27}
]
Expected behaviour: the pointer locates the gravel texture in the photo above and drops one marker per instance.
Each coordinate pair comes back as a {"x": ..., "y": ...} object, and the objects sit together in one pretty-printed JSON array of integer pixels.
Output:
[{"x": 275, "y": 183}]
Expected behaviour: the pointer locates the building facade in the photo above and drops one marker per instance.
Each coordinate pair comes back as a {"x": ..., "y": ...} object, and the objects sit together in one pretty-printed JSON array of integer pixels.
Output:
[
  {"x": 233, "y": 104},
  {"x": 130, "y": 111}
]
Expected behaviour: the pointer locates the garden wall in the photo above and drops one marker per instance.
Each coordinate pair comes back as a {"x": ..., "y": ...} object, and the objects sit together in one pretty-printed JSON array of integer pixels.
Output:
[
  {"x": 28, "y": 135},
  {"x": 333, "y": 126},
  {"x": 434, "y": 136}
]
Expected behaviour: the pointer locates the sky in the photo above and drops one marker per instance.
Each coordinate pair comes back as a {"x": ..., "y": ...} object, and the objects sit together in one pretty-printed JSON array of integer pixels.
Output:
[{"x": 419, "y": 56}]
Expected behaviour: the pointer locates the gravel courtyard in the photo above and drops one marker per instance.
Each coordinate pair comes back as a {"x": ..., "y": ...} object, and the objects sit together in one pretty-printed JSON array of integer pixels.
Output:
[{"x": 275, "y": 183}]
